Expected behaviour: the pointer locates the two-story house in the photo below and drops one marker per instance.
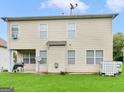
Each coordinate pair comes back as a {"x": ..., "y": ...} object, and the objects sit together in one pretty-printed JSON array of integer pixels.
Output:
[{"x": 61, "y": 43}]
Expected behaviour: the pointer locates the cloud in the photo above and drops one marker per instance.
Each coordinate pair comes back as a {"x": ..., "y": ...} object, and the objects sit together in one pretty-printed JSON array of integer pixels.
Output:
[
  {"x": 115, "y": 5},
  {"x": 64, "y": 4}
]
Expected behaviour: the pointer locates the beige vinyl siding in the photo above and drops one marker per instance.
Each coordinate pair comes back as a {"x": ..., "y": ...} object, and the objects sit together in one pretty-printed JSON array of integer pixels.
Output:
[
  {"x": 89, "y": 31},
  {"x": 91, "y": 34},
  {"x": 57, "y": 55}
]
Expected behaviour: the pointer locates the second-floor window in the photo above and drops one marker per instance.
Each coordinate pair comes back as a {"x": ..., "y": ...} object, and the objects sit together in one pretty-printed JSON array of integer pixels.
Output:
[
  {"x": 71, "y": 30},
  {"x": 15, "y": 31},
  {"x": 43, "y": 31}
]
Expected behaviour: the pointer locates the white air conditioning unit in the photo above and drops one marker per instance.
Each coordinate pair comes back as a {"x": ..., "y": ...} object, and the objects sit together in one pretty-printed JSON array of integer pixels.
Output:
[{"x": 14, "y": 36}]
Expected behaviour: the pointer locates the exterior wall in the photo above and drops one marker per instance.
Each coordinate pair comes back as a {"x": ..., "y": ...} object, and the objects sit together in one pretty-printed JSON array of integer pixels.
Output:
[
  {"x": 4, "y": 58},
  {"x": 57, "y": 55},
  {"x": 93, "y": 34},
  {"x": 43, "y": 68},
  {"x": 30, "y": 68}
]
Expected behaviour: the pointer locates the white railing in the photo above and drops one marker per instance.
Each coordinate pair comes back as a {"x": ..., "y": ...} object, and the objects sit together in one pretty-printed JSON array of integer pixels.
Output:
[{"x": 110, "y": 68}]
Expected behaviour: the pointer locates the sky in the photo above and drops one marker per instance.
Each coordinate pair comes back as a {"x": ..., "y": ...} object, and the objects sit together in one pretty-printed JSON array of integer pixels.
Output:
[{"x": 20, "y": 8}]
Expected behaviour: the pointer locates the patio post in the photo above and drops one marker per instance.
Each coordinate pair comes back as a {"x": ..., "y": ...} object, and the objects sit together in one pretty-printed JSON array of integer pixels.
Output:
[
  {"x": 11, "y": 63},
  {"x": 37, "y": 63}
]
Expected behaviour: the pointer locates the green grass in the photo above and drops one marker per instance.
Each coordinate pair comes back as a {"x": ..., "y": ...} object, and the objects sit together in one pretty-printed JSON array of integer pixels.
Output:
[{"x": 56, "y": 83}]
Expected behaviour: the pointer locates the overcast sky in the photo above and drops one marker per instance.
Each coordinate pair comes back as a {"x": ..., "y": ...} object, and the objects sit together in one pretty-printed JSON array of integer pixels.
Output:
[{"x": 15, "y": 8}]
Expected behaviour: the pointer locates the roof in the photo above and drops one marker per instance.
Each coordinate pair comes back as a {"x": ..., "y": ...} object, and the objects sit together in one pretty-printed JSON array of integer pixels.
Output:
[
  {"x": 3, "y": 43},
  {"x": 60, "y": 17}
]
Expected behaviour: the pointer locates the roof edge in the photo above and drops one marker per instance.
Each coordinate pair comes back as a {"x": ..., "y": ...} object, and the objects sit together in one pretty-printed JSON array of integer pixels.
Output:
[{"x": 90, "y": 16}]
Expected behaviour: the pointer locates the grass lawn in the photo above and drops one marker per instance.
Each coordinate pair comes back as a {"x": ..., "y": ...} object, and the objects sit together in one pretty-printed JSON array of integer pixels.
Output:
[{"x": 50, "y": 82}]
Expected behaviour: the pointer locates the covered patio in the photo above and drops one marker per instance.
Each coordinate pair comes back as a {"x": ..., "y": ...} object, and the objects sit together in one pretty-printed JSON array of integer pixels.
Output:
[{"x": 23, "y": 56}]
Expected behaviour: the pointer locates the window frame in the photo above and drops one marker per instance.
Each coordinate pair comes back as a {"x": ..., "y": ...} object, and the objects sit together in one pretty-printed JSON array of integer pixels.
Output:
[
  {"x": 44, "y": 58},
  {"x": 17, "y": 33},
  {"x": 72, "y": 58},
  {"x": 29, "y": 57},
  {"x": 99, "y": 57},
  {"x": 43, "y": 31},
  {"x": 94, "y": 56},
  {"x": 69, "y": 31},
  {"x": 32, "y": 57},
  {"x": 90, "y": 57}
]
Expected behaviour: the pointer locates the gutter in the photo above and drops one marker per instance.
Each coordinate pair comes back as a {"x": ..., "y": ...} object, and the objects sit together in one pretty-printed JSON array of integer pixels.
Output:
[{"x": 6, "y": 19}]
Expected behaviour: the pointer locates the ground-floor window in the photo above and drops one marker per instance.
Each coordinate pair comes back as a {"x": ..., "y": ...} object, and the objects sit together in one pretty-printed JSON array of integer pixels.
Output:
[
  {"x": 29, "y": 57},
  {"x": 71, "y": 56},
  {"x": 94, "y": 56},
  {"x": 43, "y": 55}
]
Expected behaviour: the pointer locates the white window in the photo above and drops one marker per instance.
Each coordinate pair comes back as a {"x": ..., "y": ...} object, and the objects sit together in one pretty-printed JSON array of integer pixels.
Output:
[
  {"x": 26, "y": 58},
  {"x": 32, "y": 57},
  {"x": 71, "y": 30},
  {"x": 94, "y": 56},
  {"x": 99, "y": 56},
  {"x": 15, "y": 30},
  {"x": 29, "y": 57},
  {"x": 71, "y": 56},
  {"x": 90, "y": 56},
  {"x": 43, "y": 31},
  {"x": 43, "y": 55}
]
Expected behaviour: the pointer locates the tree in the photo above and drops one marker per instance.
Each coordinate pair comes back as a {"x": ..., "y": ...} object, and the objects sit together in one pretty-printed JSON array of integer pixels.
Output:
[{"x": 118, "y": 44}]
